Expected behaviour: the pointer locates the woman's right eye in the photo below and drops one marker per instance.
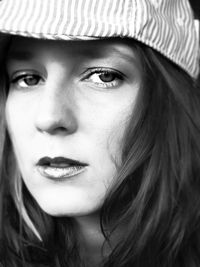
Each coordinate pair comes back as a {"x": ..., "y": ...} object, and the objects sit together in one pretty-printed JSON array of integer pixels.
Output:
[{"x": 27, "y": 80}]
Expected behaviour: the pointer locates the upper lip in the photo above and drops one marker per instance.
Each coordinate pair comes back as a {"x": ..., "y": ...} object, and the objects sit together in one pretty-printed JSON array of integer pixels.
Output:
[{"x": 47, "y": 161}]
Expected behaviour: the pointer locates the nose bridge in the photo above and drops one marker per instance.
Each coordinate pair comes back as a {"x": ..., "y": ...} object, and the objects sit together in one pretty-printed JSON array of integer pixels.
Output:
[
  {"x": 53, "y": 102},
  {"x": 55, "y": 110}
]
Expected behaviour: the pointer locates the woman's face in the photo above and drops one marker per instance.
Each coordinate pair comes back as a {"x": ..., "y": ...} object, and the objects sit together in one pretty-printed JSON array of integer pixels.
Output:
[{"x": 67, "y": 109}]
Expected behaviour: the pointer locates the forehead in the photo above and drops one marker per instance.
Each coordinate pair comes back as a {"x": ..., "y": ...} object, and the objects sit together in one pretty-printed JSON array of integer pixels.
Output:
[{"x": 25, "y": 48}]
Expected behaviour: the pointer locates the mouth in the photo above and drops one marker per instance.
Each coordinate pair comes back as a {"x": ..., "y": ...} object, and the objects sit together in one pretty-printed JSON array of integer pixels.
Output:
[{"x": 60, "y": 167}]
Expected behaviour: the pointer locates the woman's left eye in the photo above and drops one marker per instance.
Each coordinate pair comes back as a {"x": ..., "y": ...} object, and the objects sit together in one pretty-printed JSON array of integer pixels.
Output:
[{"x": 104, "y": 78}]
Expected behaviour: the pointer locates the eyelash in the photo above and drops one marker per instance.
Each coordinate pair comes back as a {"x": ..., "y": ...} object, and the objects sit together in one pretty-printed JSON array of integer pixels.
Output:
[
  {"x": 89, "y": 76},
  {"x": 102, "y": 71},
  {"x": 21, "y": 78}
]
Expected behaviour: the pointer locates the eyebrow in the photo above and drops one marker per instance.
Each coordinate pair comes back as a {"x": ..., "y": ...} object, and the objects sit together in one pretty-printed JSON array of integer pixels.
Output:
[
  {"x": 17, "y": 55},
  {"x": 131, "y": 58},
  {"x": 20, "y": 55}
]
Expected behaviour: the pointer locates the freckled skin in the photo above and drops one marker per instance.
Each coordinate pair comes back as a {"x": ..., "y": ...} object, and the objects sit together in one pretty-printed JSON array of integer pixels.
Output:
[{"x": 70, "y": 99}]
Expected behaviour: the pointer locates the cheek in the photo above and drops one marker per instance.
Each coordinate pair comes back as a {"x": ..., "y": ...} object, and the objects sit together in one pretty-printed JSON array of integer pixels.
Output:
[
  {"x": 110, "y": 130},
  {"x": 18, "y": 113},
  {"x": 18, "y": 120}
]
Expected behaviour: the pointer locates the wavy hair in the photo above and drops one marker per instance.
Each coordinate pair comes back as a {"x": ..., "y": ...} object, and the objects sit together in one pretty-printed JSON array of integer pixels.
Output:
[{"x": 156, "y": 195}]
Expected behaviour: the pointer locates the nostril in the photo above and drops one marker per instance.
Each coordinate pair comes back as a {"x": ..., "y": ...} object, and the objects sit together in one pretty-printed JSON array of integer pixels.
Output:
[
  {"x": 62, "y": 129},
  {"x": 56, "y": 130}
]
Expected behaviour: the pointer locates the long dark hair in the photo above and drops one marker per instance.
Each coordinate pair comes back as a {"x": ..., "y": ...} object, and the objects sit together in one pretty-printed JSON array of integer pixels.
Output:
[{"x": 156, "y": 196}]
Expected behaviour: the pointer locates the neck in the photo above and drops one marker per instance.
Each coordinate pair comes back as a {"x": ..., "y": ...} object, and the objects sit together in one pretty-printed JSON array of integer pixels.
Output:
[{"x": 91, "y": 240}]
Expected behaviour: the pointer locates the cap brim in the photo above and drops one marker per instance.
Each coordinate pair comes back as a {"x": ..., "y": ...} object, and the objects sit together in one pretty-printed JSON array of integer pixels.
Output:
[{"x": 48, "y": 36}]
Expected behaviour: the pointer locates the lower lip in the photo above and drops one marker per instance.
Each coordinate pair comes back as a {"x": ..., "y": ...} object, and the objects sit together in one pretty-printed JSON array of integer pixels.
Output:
[{"x": 55, "y": 173}]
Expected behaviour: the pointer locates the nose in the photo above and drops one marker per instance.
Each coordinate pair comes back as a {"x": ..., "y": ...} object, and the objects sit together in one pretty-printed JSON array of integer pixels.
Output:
[{"x": 55, "y": 113}]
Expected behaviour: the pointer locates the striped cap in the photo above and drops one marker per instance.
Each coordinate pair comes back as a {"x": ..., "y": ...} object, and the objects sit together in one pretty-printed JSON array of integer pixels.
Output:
[{"x": 166, "y": 25}]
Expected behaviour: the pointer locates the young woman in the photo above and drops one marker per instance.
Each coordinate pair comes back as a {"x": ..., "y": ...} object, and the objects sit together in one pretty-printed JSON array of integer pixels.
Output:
[{"x": 100, "y": 130}]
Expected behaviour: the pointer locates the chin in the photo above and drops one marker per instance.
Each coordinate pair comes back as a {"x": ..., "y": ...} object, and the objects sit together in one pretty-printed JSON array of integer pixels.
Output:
[{"x": 69, "y": 208}]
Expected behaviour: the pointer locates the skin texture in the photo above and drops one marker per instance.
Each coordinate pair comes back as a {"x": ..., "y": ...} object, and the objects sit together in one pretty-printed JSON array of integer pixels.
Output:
[{"x": 57, "y": 107}]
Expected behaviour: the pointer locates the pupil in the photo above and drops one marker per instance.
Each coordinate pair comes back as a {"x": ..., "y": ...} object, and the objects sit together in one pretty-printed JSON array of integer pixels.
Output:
[
  {"x": 107, "y": 77},
  {"x": 31, "y": 80}
]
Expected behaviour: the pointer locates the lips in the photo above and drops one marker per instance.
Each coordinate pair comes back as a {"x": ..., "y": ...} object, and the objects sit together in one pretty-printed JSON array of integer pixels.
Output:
[{"x": 60, "y": 167}]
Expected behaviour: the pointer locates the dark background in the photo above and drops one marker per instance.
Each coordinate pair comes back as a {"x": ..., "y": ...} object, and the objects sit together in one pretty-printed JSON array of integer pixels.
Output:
[{"x": 196, "y": 7}]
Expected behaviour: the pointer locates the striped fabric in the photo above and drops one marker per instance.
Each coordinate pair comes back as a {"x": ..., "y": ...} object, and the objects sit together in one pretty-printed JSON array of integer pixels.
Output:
[{"x": 165, "y": 25}]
